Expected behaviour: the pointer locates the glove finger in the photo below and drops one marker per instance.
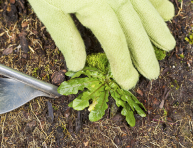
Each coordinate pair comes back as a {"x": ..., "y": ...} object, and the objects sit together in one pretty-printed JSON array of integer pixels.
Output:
[
  {"x": 101, "y": 19},
  {"x": 142, "y": 52},
  {"x": 154, "y": 25},
  {"x": 64, "y": 32},
  {"x": 165, "y": 8}
]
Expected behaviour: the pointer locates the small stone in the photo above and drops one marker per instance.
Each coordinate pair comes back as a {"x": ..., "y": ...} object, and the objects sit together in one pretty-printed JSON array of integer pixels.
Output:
[{"x": 58, "y": 78}]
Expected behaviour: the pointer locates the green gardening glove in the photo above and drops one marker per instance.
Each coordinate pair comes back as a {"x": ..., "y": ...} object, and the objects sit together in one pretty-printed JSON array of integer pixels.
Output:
[{"x": 126, "y": 30}]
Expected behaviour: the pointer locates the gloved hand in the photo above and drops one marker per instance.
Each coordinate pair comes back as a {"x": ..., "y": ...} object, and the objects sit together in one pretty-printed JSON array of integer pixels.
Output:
[{"x": 126, "y": 30}]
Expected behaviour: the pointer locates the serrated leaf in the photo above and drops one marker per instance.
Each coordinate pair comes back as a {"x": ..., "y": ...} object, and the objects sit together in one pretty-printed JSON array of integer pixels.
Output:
[
  {"x": 117, "y": 98},
  {"x": 133, "y": 105},
  {"x": 82, "y": 101},
  {"x": 135, "y": 99},
  {"x": 92, "y": 106},
  {"x": 128, "y": 100},
  {"x": 74, "y": 85},
  {"x": 128, "y": 113},
  {"x": 107, "y": 87},
  {"x": 139, "y": 110},
  {"x": 100, "y": 107},
  {"x": 70, "y": 104},
  {"x": 77, "y": 74},
  {"x": 80, "y": 104},
  {"x": 91, "y": 69},
  {"x": 120, "y": 91},
  {"x": 113, "y": 85},
  {"x": 95, "y": 86},
  {"x": 94, "y": 73}
]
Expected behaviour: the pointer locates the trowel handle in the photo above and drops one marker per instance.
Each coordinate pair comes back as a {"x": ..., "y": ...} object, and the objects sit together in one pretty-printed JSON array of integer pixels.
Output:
[{"x": 31, "y": 81}]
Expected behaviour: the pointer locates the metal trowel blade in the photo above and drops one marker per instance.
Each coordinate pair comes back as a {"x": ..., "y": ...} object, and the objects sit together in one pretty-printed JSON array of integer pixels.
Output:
[{"x": 14, "y": 94}]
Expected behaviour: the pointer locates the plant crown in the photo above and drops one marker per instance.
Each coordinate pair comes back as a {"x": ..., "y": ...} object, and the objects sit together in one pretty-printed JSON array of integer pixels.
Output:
[{"x": 96, "y": 88}]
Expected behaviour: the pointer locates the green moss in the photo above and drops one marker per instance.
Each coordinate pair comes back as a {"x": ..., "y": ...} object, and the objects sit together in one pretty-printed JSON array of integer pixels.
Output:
[
  {"x": 177, "y": 86},
  {"x": 182, "y": 56},
  {"x": 55, "y": 108},
  {"x": 34, "y": 72},
  {"x": 99, "y": 61},
  {"x": 189, "y": 39},
  {"x": 160, "y": 54}
]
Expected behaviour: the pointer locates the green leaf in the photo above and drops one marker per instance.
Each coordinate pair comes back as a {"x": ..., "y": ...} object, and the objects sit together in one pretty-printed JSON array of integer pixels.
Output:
[
  {"x": 88, "y": 71},
  {"x": 70, "y": 73},
  {"x": 94, "y": 74},
  {"x": 128, "y": 100},
  {"x": 74, "y": 85},
  {"x": 132, "y": 101},
  {"x": 99, "y": 109},
  {"x": 77, "y": 74},
  {"x": 139, "y": 110},
  {"x": 70, "y": 104},
  {"x": 91, "y": 69},
  {"x": 135, "y": 99},
  {"x": 99, "y": 84},
  {"x": 133, "y": 105},
  {"x": 82, "y": 102},
  {"x": 126, "y": 111},
  {"x": 191, "y": 37},
  {"x": 113, "y": 85},
  {"x": 92, "y": 106},
  {"x": 120, "y": 91},
  {"x": 187, "y": 39},
  {"x": 96, "y": 86},
  {"x": 117, "y": 98}
]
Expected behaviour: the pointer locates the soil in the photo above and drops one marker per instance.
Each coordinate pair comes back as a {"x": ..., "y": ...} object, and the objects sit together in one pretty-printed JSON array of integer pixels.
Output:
[{"x": 26, "y": 46}]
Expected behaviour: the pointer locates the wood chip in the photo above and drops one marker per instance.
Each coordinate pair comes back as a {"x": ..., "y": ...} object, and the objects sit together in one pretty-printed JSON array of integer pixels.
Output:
[
  {"x": 8, "y": 50},
  {"x": 23, "y": 41},
  {"x": 85, "y": 143},
  {"x": 162, "y": 104},
  {"x": 12, "y": 1},
  {"x": 139, "y": 91},
  {"x": 24, "y": 24}
]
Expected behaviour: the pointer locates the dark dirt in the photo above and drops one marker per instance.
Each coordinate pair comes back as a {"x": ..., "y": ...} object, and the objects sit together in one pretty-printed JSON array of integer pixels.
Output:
[{"x": 26, "y": 46}]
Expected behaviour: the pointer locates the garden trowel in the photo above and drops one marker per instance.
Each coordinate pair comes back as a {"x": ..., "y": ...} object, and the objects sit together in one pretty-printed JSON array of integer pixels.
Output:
[{"x": 19, "y": 88}]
